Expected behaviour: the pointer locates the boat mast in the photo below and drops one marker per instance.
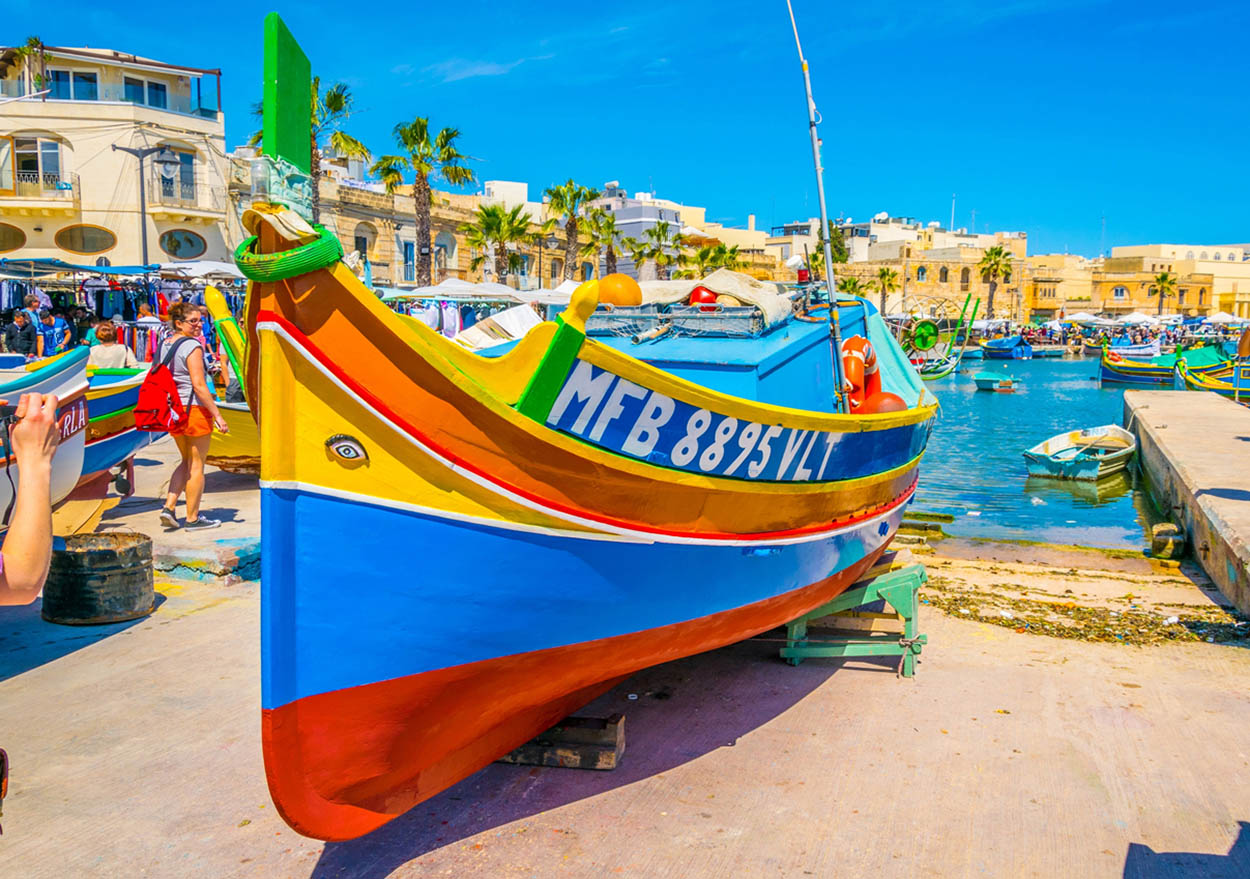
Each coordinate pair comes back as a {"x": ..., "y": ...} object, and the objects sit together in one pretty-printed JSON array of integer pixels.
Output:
[{"x": 835, "y": 330}]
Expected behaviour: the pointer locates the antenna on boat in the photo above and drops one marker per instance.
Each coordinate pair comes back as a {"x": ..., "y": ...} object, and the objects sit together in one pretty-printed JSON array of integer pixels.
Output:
[{"x": 835, "y": 330}]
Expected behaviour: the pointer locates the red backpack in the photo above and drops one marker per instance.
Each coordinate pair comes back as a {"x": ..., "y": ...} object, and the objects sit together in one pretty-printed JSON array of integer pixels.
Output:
[{"x": 160, "y": 407}]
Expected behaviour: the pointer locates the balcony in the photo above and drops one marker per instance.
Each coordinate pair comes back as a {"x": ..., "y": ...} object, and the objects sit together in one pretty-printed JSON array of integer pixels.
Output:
[
  {"x": 184, "y": 201},
  {"x": 33, "y": 193}
]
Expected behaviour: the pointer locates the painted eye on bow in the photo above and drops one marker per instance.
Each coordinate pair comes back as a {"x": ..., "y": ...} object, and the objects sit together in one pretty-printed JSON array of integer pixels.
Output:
[{"x": 347, "y": 448}]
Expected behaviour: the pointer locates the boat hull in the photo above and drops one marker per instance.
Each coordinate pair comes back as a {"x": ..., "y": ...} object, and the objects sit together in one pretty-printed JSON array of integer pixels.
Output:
[
  {"x": 111, "y": 434},
  {"x": 239, "y": 450},
  {"x": 497, "y": 634},
  {"x": 1041, "y": 465}
]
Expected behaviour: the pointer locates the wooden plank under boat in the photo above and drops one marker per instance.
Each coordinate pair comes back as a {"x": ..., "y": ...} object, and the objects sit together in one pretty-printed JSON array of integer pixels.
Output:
[
  {"x": 459, "y": 550},
  {"x": 1086, "y": 454}
]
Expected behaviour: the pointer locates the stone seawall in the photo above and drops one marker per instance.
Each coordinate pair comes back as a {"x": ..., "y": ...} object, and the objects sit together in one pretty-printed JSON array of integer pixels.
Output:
[{"x": 1194, "y": 452}]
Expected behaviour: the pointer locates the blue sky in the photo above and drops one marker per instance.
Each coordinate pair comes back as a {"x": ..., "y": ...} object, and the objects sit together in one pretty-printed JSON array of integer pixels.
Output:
[{"x": 1040, "y": 116}]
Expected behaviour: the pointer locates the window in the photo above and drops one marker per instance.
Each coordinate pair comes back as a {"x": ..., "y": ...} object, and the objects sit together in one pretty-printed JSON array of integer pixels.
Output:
[
  {"x": 11, "y": 238},
  {"x": 183, "y": 244},
  {"x": 1203, "y": 255},
  {"x": 588, "y": 271},
  {"x": 362, "y": 245},
  {"x": 1120, "y": 292},
  {"x": 1218, "y": 255},
  {"x": 410, "y": 269},
  {"x": 965, "y": 276},
  {"x": 1189, "y": 254},
  {"x": 133, "y": 90},
  {"x": 943, "y": 275},
  {"x": 158, "y": 95},
  {"x": 1202, "y": 293},
  {"x": 1180, "y": 296},
  {"x": 75, "y": 85},
  {"x": 922, "y": 274},
  {"x": 37, "y": 161},
  {"x": 85, "y": 239},
  {"x": 1231, "y": 256}
]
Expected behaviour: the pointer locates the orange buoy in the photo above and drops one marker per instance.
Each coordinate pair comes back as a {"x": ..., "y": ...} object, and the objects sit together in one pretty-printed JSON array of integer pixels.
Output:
[{"x": 619, "y": 289}]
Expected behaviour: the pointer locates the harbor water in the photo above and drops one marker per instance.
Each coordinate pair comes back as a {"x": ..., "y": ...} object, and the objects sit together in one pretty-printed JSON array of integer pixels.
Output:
[{"x": 975, "y": 472}]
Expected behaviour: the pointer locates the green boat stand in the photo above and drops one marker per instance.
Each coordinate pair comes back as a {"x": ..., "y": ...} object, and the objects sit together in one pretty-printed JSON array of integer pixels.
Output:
[{"x": 898, "y": 586}]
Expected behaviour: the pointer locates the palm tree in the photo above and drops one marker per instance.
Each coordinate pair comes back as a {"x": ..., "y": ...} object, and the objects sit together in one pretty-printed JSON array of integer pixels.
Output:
[
  {"x": 568, "y": 200},
  {"x": 593, "y": 248},
  {"x": 429, "y": 158},
  {"x": 493, "y": 229},
  {"x": 663, "y": 247},
  {"x": 726, "y": 257},
  {"x": 639, "y": 252},
  {"x": 852, "y": 286},
  {"x": 330, "y": 109},
  {"x": 1165, "y": 286},
  {"x": 603, "y": 239},
  {"x": 538, "y": 238},
  {"x": 995, "y": 264},
  {"x": 887, "y": 283}
]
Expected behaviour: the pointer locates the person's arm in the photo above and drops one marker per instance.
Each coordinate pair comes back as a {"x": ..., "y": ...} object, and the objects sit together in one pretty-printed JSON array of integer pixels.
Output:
[
  {"x": 131, "y": 362},
  {"x": 39, "y": 343},
  {"x": 195, "y": 367},
  {"x": 27, "y": 550},
  {"x": 68, "y": 335}
]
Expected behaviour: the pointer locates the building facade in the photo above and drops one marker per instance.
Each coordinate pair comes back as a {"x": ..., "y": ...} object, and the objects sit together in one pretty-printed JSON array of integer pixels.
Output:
[{"x": 71, "y": 184}]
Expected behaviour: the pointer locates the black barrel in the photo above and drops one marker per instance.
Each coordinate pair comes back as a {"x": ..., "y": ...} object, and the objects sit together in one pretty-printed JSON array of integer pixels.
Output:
[{"x": 99, "y": 578}]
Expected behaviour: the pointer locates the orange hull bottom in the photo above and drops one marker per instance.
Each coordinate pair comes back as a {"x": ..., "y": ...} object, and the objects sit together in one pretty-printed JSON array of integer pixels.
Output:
[{"x": 343, "y": 763}]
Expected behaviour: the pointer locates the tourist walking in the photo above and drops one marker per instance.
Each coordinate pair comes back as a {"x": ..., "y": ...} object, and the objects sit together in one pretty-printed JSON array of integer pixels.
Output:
[
  {"x": 186, "y": 363},
  {"x": 106, "y": 353},
  {"x": 54, "y": 333}
]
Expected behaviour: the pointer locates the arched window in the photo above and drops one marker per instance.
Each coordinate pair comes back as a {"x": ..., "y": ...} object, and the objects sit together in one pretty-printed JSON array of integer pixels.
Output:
[
  {"x": 365, "y": 236},
  {"x": 922, "y": 274},
  {"x": 1120, "y": 292},
  {"x": 1189, "y": 254},
  {"x": 943, "y": 275},
  {"x": 182, "y": 244},
  {"x": 1203, "y": 255},
  {"x": 1218, "y": 255},
  {"x": 965, "y": 276},
  {"x": 1231, "y": 256}
]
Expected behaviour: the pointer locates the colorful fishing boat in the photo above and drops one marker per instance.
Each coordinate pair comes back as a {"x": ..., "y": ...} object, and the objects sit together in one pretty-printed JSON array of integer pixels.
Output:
[
  {"x": 112, "y": 439},
  {"x": 1123, "y": 348},
  {"x": 66, "y": 377},
  {"x": 1009, "y": 348},
  {"x": 239, "y": 450},
  {"x": 532, "y": 527},
  {"x": 995, "y": 381},
  {"x": 973, "y": 352},
  {"x": 1161, "y": 369},
  {"x": 1089, "y": 453},
  {"x": 1235, "y": 385}
]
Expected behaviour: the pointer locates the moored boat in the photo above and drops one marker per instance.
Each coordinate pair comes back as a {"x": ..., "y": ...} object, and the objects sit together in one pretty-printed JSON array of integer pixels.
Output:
[
  {"x": 1009, "y": 348},
  {"x": 995, "y": 381},
  {"x": 239, "y": 450},
  {"x": 1089, "y": 453},
  {"x": 1112, "y": 367},
  {"x": 582, "y": 506},
  {"x": 66, "y": 377},
  {"x": 1235, "y": 385},
  {"x": 112, "y": 438}
]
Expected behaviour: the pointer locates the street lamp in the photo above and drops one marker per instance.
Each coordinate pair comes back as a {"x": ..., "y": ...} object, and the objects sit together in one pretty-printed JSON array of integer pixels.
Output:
[{"x": 167, "y": 164}]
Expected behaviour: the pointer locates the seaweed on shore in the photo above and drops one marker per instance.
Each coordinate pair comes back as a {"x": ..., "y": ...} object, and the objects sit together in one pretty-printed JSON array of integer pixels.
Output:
[{"x": 1080, "y": 622}]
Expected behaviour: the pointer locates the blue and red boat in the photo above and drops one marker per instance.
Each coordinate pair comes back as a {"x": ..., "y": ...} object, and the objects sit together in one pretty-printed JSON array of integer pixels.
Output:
[{"x": 459, "y": 550}]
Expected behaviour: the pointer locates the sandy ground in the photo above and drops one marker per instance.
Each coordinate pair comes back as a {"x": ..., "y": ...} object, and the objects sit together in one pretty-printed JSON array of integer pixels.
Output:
[{"x": 135, "y": 752}]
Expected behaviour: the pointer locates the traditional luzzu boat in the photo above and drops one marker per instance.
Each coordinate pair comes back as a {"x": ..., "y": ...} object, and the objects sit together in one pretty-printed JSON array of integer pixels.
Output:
[
  {"x": 1235, "y": 385},
  {"x": 1161, "y": 369},
  {"x": 238, "y": 450},
  {"x": 1090, "y": 453},
  {"x": 111, "y": 435},
  {"x": 1009, "y": 348},
  {"x": 1146, "y": 349},
  {"x": 65, "y": 376},
  {"x": 533, "y": 527}
]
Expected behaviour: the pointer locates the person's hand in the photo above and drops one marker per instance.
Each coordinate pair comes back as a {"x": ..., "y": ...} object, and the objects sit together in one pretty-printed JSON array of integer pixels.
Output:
[
  {"x": 220, "y": 424},
  {"x": 35, "y": 436}
]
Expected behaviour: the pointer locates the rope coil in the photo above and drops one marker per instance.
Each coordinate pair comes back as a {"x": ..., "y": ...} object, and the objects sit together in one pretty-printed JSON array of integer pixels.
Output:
[{"x": 319, "y": 254}]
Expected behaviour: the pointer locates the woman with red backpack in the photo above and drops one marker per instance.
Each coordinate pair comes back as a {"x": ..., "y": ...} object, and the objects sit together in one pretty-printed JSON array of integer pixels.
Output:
[{"x": 184, "y": 355}]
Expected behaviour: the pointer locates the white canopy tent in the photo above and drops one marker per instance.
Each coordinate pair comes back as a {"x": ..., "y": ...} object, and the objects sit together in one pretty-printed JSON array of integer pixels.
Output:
[
  {"x": 1137, "y": 318},
  {"x": 1223, "y": 317},
  {"x": 202, "y": 268},
  {"x": 1080, "y": 317}
]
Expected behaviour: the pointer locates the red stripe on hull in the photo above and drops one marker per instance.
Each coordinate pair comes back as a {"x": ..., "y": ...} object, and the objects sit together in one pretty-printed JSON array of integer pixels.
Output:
[{"x": 344, "y": 763}]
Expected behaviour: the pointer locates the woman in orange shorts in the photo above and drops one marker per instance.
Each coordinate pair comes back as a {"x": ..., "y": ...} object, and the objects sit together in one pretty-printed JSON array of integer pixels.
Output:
[{"x": 195, "y": 433}]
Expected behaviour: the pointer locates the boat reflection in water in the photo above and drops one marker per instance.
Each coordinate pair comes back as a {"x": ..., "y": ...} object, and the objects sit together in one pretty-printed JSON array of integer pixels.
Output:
[{"x": 1091, "y": 493}]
